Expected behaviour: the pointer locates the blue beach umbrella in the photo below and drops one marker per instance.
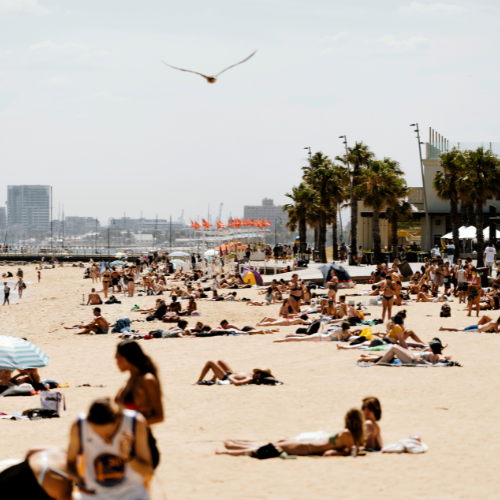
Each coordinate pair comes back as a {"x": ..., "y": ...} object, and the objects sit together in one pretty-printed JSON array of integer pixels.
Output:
[
  {"x": 118, "y": 263},
  {"x": 16, "y": 353}
]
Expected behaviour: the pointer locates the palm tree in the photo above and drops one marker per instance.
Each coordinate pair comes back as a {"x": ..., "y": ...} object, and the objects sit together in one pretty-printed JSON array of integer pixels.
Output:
[
  {"x": 305, "y": 202},
  {"x": 359, "y": 157},
  {"x": 329, "y": 182},
  {"x": 398, "y": 209},
  {"x": 339, "y": 192},
  {"x": 446, "y": 186},
  {"x": 377, "y": 185},
  {"x": 480, "y": 179}
]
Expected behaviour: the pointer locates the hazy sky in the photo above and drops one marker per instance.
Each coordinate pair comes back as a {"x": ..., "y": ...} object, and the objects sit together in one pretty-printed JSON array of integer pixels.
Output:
[{"x": 87, "y": 106}]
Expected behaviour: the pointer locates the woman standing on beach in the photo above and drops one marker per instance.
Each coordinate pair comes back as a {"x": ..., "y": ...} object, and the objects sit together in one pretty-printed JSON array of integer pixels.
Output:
[
  {"x": 142, "y": 391},
  {"x": 474, "y": 296},
  {"x": 129, "y": 277},
  {"x": 333, "y": 286},
  {"x": 295, "y": 288},
  {"x": 106, "y": 280}
]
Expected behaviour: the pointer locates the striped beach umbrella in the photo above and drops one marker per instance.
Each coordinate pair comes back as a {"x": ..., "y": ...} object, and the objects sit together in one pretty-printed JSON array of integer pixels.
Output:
[{"x": 16, "y": 353}]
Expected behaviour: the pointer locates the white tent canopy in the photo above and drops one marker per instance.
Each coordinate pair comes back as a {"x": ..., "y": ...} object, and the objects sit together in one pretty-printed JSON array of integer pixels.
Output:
[
  {"x": 178, "y": 254},
  {"x": 469, "y": 233}
]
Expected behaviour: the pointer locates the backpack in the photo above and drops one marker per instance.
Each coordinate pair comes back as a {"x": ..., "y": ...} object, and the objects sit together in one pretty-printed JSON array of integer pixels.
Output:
[{"x": 313, "y": 327}]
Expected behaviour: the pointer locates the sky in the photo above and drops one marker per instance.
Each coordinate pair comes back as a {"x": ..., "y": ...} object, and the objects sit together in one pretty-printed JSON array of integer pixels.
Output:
[{"x": 87, "y": 106}]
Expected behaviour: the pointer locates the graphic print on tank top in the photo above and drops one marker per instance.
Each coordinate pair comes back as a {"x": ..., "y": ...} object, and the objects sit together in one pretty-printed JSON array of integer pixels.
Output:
[{"x": 109, "y": 469}]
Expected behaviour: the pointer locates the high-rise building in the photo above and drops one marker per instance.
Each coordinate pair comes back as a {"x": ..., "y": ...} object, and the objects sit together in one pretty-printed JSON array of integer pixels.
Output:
[
  {"x": 28, "y": 206},
  {"x": 268, "y": 210},
  {"x": 3, "y": 216}
]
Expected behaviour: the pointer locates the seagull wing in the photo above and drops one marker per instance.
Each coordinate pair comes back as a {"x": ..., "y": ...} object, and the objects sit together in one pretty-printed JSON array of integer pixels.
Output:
[
  {"x": 236, "y": 64},
  {"x": 187, "y": 70}
]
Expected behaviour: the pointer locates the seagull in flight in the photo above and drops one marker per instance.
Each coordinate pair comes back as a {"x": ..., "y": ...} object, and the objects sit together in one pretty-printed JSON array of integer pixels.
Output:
[{"x": 211, "y": 79}]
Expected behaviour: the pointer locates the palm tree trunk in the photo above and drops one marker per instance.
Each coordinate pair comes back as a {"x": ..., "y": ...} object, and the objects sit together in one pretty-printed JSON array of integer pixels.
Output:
[
  {"x": 354, "y": 226},
  {"x": 377, "y": 241},
  {"x": 480, "y": 235},
  {"x": 394, "y": 236},
  {"x": 302, "y": 237},
  {"x": 455, "y": 225},
  {"x": 322, "y": 239},
  {"x": 335, "y": 245}
]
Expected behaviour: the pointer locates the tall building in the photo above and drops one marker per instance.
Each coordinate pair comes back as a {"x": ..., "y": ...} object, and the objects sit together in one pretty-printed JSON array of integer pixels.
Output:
[
  {"x": 28, "y": 206},
  {"x": 3, "y": 216},
  {"x": 268, "y": 210}
]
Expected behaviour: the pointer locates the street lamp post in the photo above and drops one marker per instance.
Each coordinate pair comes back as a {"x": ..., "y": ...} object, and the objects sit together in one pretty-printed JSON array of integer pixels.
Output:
[
  {"x": 351, "y": 261},
  {"x": 426, "y": 208},
  {"x": 109, "y": 227},
  {"x": 309, "y": 148},
  {"x": 96, "y": 221}
]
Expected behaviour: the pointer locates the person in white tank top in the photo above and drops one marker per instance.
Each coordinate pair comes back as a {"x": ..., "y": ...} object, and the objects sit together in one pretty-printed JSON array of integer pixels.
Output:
[{"x": 108, "y": 455}]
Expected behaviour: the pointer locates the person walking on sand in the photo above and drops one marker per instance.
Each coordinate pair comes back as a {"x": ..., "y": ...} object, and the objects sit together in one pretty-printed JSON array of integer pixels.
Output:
[
  {"x": 6, "y": 293},
  {"x": 20, "y": 287},
  {"x": 39, "y": 276}
]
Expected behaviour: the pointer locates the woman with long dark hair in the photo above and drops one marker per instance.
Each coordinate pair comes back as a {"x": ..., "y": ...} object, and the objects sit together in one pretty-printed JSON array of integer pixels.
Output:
[{"x": 142, "y": 391}]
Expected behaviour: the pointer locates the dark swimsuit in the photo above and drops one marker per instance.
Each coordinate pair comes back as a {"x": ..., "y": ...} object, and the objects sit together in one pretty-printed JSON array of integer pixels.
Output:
[{"x": 129, "y": 404}]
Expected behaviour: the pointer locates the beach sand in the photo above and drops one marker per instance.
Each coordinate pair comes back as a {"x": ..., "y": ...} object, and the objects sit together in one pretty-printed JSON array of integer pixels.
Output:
[{"x": 452, "y": 409}]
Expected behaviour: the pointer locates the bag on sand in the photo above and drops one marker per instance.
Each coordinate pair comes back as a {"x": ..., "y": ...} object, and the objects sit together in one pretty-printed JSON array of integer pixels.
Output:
[{"x": 50, "y": 400}]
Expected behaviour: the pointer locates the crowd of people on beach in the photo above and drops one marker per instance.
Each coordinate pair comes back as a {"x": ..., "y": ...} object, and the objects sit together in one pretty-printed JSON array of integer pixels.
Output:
[{"x": 327, "y": 313}]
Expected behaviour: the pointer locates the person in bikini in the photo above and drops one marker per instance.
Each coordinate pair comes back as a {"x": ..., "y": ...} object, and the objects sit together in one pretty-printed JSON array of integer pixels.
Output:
[
  {"x": 333, "y": 284},
  {"x": 295, "y": 296},
  {"x": 485, "y": 325},
  {"x": 98, "y": 326},
  {"x": 222, "y": 371},
  {"x": 106, "y": 281},
  {"x": 43, "y": 475},
  {"x": 94, "y": 298},
  {"x": 372, "y": 411},
  {"x": 338, "y": 444},
  {"x": 142, "y": 392},
  {"x": 388, "y": 297}
]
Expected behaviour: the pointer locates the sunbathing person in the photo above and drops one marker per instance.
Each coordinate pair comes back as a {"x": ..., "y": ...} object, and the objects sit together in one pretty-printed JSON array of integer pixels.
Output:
[
  {"x": 302, "y": 320},
  {"x": 152, "y": 310},
  {"x": 372, "y": 412},
  {"x": 335, "y": 334},
  {"x": 221, "y": 371},
  {"x": 429, "y": 356},
  {"x": 255, "y": 303},
  {"x": 5, "y": 376},
  {"x": 338, "y": 444},
  {"x": 424, "y": 295},
  {"x": 43, "y": 475},
  {"x": 174, "y": 306},
  {"x": 191, "y": 307},
  {"x": 98, "y": 326},
  {"x": 485, "y": 324},
  {"x": 94, "y": 298}
]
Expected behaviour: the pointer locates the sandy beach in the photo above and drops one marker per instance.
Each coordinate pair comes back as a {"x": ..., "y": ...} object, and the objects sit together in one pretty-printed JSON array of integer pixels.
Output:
[{"x": 452, "y": 409}]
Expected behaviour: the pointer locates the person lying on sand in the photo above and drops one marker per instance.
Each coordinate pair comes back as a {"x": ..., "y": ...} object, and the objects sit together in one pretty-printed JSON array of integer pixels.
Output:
[
  {"x": 94, "y": 298},
  {"x": 429, "y": 356},
  {"x": 485, "y": 324},
  {"x": 338, "y": 444},
  {"x": 98, "y": 326},
  {"x": 42, "y": 475},
  {"x": 302, "y": 320},
  {"x": 221, "y": 371},
  {"x": 335, "y": 334}
]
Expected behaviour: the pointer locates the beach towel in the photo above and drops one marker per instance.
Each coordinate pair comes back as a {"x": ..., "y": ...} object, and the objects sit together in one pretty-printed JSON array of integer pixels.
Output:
[
  {"x": 441, "y": 364},
  {"x": 413, "y": 444}
]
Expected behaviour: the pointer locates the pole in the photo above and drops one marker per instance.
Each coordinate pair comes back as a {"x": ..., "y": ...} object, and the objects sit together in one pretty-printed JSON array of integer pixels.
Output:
[
  {"x": 426, "y": 208},
  {"x": 170, "y": 233},
  {"x": 96, "y": 234},
  {"x": 51, "y": 219}
]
